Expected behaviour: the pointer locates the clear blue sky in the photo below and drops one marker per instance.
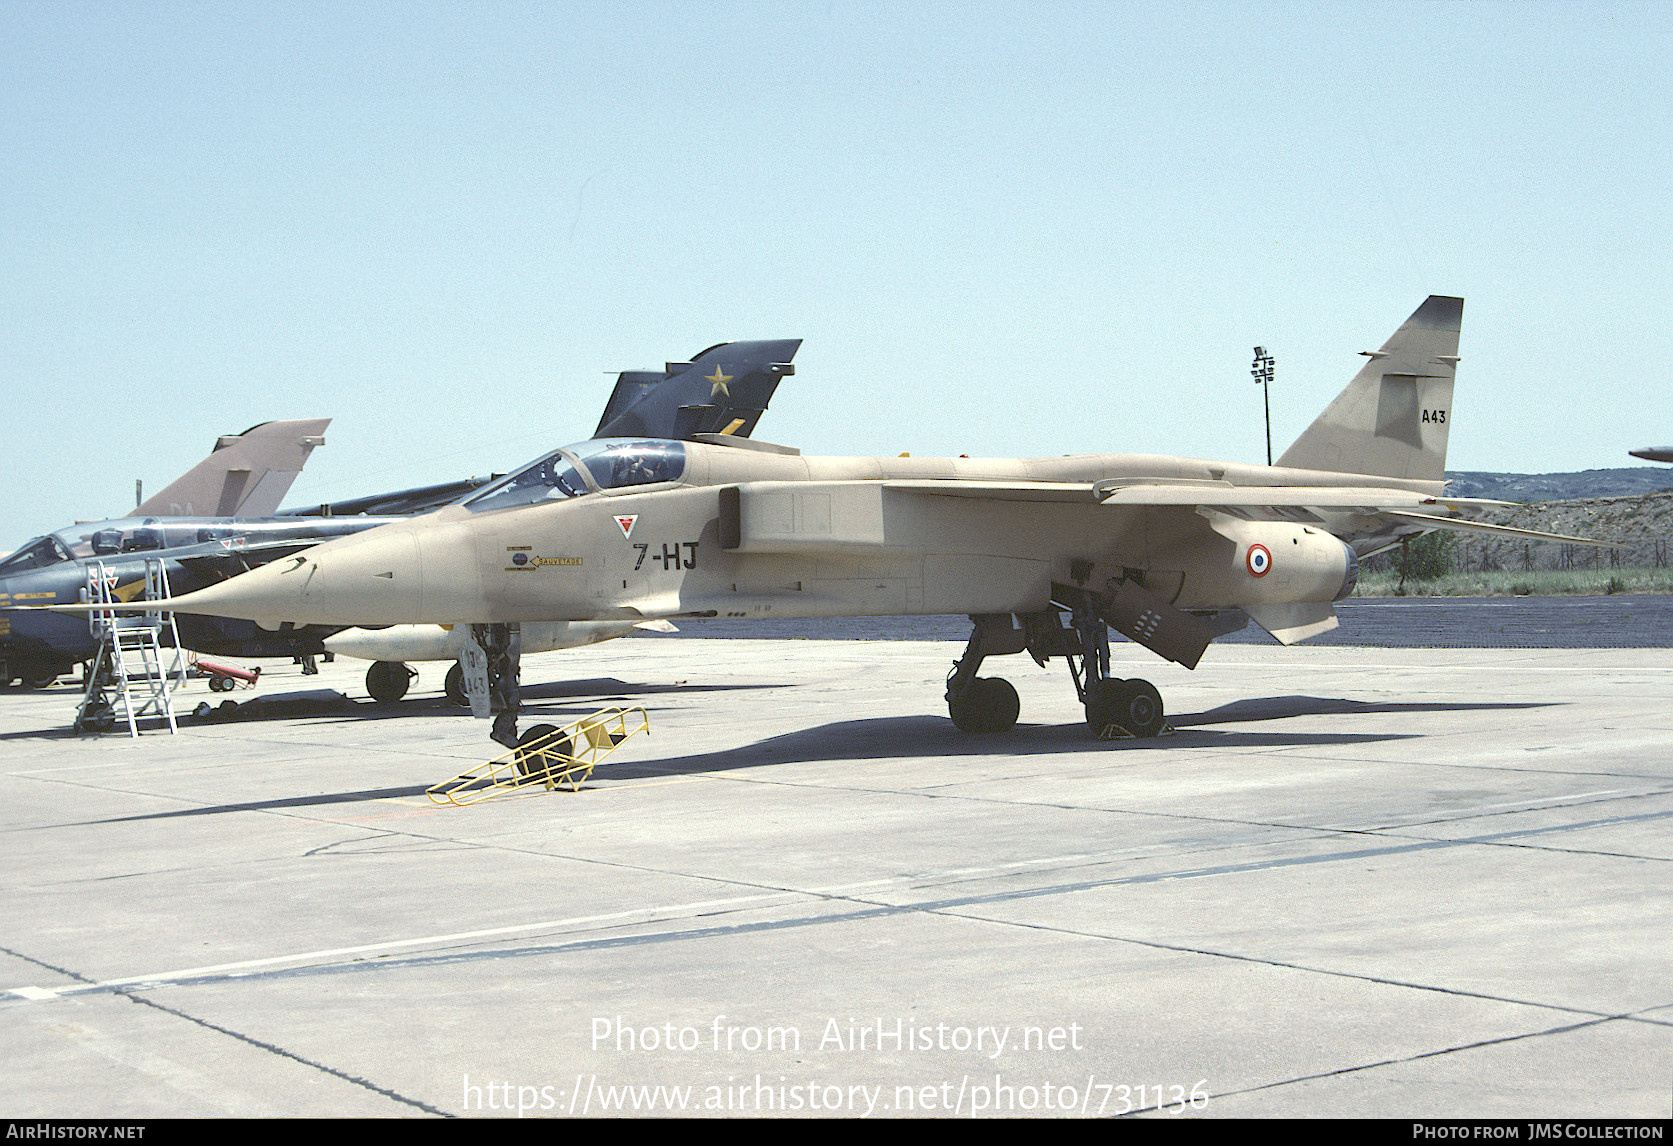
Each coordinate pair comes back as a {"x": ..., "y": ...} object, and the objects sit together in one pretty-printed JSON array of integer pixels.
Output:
[{"x": 1001, "y": 229}]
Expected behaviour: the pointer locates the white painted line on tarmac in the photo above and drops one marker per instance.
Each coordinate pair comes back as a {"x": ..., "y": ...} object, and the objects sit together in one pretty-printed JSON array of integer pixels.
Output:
[{"x": 758, "y": 900}]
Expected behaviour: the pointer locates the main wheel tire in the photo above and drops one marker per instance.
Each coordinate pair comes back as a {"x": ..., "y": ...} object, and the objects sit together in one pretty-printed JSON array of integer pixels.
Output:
[
  {"x": 40, "y": 678},
  {"x": 454, "y": 685},
  {"x": 537, "y": 761},
  {"x": 1131, "y": 706},
  {"x": 388, "y": 681},
  {"x": 1141, "y": 708},
  {"x": 987, "y": 705}
]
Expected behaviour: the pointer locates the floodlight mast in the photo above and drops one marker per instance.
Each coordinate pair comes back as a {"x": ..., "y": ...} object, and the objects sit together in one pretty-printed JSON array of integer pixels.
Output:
[{"x": 1262, "y": 371}]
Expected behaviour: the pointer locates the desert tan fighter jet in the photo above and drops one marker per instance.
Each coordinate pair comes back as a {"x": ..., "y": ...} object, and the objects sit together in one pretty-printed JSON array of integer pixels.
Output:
[{"x": 1042, "y": 553}]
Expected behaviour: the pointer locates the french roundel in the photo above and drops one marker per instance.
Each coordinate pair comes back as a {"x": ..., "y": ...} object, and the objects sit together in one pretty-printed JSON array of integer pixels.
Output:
[{"x": 1259, "y": 560}]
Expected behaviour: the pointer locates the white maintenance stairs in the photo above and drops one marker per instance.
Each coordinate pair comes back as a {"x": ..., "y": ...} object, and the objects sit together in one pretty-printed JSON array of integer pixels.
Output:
[{"x": 133, "y": 665}]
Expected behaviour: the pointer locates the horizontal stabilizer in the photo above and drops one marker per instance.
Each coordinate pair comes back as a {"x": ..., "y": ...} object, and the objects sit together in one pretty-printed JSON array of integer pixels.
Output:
[{"x": 1457, "y": 525}]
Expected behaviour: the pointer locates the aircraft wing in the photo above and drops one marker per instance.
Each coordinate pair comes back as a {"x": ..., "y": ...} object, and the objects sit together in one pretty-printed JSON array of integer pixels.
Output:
[
  {"x": 1191, "y": 494},
  {"x": 1333, "y": 499},
  {"x": 1402, "y": 505},
  {"x": 1083, "y": 492},
  {"x": 420, "y": 499},
  {"x": 848, "y": 516}
]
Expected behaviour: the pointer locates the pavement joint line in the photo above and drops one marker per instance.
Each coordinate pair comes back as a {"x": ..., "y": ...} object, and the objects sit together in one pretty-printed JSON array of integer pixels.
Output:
[
  {"x": 281, "y": 1052},
  {"x": 1594, "y": 1016},
  {"x": 1553, "y": 803},
  {"x": 1405, "y": 1059},
  {"x": 366, "y": 948},
  {"x": 848, "y": 894}
]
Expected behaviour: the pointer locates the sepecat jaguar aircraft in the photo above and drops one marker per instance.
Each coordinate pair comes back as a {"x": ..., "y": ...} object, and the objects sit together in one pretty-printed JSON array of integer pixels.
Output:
[{"x": 1044, "y": 554}]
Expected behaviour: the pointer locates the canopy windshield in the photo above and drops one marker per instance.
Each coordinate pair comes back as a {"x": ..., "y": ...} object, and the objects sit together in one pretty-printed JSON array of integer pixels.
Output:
[
  {"x": 37, "y": 554},
  {"x": 599, "y": 464}
]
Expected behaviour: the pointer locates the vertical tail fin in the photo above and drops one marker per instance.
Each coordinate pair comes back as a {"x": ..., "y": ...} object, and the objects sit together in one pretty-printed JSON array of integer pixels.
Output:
[
  {"x": 246, "y": 475},
  {"x": 723, "y": 390},
  {"x": 1392, "y": 419}
]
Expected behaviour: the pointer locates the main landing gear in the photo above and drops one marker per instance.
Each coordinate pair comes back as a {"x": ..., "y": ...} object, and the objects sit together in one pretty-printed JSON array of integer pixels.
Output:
[{"x": 1115, "y": 708}]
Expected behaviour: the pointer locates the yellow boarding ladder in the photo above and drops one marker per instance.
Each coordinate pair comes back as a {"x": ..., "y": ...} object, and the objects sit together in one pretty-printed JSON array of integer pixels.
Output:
[{"x": 549, "y": 756}]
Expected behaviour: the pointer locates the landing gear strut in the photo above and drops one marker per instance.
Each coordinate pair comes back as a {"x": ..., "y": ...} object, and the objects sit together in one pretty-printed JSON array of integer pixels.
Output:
[
  {"x": 1115, "y": 708},
  {"x": 502, "y": 646},
  {"x": 984, "y": 705}
]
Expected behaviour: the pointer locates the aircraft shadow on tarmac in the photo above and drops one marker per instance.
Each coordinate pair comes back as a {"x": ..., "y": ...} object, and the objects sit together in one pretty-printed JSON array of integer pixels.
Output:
[
  {"x": 1282, "y": 707},
  {"x": 330, "y": 704},
  {"x": 885, "y": 738},
  {"x": 365, "y": 795},
  {"x": 888, "y": 737}
]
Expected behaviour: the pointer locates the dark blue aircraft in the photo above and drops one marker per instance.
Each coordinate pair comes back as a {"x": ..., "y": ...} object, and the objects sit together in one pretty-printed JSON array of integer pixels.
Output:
[{"x": 38, "y": 647}]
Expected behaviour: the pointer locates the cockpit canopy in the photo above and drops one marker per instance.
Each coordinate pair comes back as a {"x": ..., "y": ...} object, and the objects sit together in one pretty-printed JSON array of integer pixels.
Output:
[
  {"x": 598, "y": 464},
  {"x": 37, "y": 554},
  {"x": 101, "y": 539}
]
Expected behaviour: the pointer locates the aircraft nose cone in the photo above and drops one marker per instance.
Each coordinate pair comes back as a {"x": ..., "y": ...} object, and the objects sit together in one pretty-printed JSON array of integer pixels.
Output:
[
  {"x": 375, "y": 578},
  {"x": 372, "y": 578}
]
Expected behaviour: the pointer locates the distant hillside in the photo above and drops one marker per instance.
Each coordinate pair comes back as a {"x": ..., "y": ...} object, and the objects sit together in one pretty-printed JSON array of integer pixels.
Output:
[
  {"x": 1631, "y": 506},
  {"x": 1630, "y": 481}
]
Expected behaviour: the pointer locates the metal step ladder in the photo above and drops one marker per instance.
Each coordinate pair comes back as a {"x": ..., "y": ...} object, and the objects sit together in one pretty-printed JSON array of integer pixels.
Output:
[{"x": 131, "y": 666}]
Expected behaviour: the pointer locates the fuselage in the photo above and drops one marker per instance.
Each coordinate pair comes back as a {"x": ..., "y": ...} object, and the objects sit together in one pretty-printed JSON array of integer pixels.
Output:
[{"x": 613, "y": 530}]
